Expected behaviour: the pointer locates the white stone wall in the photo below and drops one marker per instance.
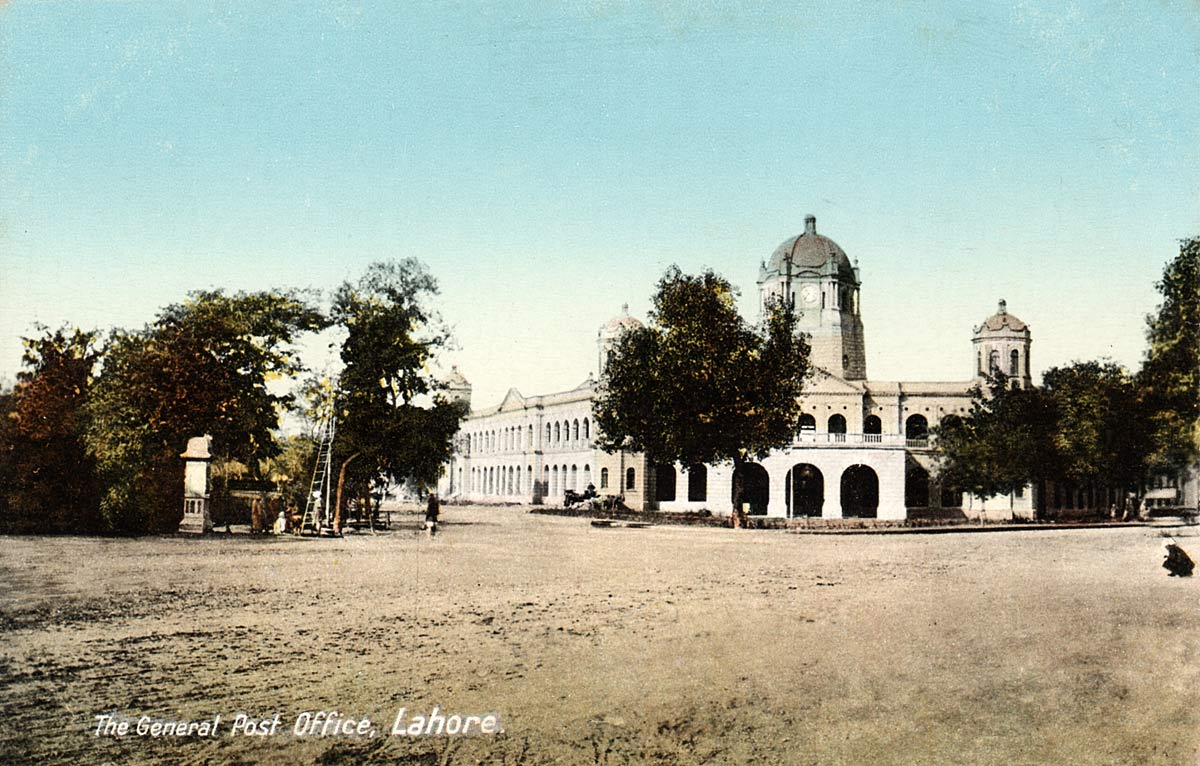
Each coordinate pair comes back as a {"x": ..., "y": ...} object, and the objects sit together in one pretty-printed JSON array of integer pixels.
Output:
[
  {"x": 1000, "y": 507},
  {"x": 887, "y": 462},
  {"x": 526, "y": 451}
]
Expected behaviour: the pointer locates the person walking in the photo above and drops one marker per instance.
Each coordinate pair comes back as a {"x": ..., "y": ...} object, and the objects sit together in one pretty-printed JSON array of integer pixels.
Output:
[{"x": 431, "y": 513}]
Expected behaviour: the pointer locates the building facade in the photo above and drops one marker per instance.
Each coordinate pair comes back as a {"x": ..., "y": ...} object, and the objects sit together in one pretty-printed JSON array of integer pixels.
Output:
[{"x": 862, "y": 449}]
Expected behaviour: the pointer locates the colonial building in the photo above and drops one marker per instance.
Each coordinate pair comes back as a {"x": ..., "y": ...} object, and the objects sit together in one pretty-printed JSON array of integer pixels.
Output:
[{"x": 862, "y": 449}]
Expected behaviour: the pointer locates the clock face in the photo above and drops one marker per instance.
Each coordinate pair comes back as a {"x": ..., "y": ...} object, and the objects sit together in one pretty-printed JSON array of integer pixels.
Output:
[{"x": 808, "y": 294}]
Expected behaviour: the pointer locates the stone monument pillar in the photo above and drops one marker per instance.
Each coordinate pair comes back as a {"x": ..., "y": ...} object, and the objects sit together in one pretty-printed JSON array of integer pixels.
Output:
[{"x": 196, "y": 518}]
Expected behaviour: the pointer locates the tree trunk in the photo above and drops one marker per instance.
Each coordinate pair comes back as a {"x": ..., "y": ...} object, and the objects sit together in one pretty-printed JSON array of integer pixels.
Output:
[
  {"x": 737, "y": 519},
  {"x": 337, "y": 503}
]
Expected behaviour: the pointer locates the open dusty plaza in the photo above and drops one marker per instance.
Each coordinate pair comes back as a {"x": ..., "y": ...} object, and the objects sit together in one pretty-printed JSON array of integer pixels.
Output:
[{"x": 607, "y": 645}]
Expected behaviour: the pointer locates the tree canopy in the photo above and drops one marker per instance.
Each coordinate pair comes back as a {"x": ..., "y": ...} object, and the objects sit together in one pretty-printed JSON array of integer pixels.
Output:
[
  {"x": 49, "y": 479},
  {"x": 394, "y": 420},
  {"x": 1083, "y": 425},
  {"x": 1170, "y": 375},
  {"x": 699, "y": 384},
  {"x": 201, "y": 367},
  {"x": 1006, "y": 441}
]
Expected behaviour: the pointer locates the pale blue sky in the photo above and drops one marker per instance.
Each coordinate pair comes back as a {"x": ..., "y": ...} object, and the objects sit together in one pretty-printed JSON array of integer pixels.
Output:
[{"x": 548, "y": 161}]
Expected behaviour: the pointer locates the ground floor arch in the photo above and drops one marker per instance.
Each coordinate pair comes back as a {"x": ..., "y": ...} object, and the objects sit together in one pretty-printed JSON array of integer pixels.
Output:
[
  {"x": 860, "y": 492},
  {"x": 756, "y": 487},
  {"x": 916, "y": 486},
  {"x": 804, "y": 490}
]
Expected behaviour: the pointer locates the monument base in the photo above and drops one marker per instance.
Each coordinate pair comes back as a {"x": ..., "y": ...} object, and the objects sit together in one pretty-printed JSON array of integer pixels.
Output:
[{"x": 196, "y": 519}]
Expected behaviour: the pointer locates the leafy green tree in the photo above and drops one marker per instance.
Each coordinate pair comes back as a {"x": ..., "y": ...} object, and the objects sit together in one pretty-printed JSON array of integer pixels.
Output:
[
  {"x": 1083, "y": 425},
  {"x": 202, "y": 367},
  {"x": 1005, "y": 442},
  {"x": 699, "y": 384},
  {"x": 49, "y": 479},
  {"x": 1170, "y": 376},
  {"x": 1102, "y": 434},
  {"x": 291, "y": 470},
  {"x": 394, "y": 419}
]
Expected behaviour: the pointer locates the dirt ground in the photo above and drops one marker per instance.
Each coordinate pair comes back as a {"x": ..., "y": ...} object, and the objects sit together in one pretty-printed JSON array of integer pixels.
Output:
[{"x": 607, "y": 646}]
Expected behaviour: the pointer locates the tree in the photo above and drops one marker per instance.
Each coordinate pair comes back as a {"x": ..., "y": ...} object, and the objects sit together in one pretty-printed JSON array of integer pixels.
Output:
[
  {"x": 699, "y": 385},
  {"x": 1170, "y": 375},
  {"x": 48, "y": 477},
  {"x": 1084, "y": 425},
  {"x": 394, "y": 420},
  {"x": 202, "y": 367},
  {"x": 1102, "y": 434},
  {"x": 1005, "y": 442}
]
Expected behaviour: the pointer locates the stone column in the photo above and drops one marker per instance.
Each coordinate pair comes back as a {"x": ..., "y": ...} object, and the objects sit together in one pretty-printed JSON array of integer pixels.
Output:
[{"x": 196, "y": 516}]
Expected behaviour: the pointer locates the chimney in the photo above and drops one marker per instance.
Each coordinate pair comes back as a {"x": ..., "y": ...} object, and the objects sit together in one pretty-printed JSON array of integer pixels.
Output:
[{"x": 810, "y": 224}]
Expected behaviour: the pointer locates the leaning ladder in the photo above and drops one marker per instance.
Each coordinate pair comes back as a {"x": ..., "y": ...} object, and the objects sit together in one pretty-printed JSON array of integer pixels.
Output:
[{"x": 317, "y": 519}]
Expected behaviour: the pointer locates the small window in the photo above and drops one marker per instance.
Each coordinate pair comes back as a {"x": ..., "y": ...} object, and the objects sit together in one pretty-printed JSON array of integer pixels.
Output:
[
  {"x": 630, "y": 479},
  {"x": 1014, "y": 363},
  {"x": 603, "y": 478},
  {"x": 808, "y": 422}
]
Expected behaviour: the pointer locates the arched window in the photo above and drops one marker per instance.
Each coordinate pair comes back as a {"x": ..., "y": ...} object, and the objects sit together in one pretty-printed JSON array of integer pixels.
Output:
[
  {"x": 1014, "y": 363},
  {"x": 530, "y": 444},
  {"x": 557, "y": 433},
  {"x": 587, "y": 476},
  {"x": 994, "y": 362},
  {"x": 916, "y": 427},
  {"x": 980, "y": 357},
  {"x": 554, "y": 487},
  {"x": 547, "y": 433},
  {"x": 575, "y": 431},
  {"x": 697, "y": 483},
  {"x": 603, "y": 478},
  {"x": 872, "y": 425},
  {"x": 630, "y": 479},
  {"x": 587, "y": 431},
  {"x": 837, "y": 424},
  {"x": 574, "y": 478},
  {"x": 808, "y": 422}
]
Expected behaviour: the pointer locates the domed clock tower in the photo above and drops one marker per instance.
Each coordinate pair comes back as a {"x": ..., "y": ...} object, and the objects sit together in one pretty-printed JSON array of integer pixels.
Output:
[{"x": 824, "y": 286}]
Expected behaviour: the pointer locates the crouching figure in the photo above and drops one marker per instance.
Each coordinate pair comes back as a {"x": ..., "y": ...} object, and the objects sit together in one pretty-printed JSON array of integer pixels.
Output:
[{"x": 1177, "y": 562}]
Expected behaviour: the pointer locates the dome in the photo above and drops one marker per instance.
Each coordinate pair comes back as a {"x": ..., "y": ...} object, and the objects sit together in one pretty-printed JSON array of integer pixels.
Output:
[
  {"x": 810, "y": 251},
  {"x": 619, "y": 324},
  {"x": 1002, "y": 320},
  {"x": 456, "y": 379}
]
